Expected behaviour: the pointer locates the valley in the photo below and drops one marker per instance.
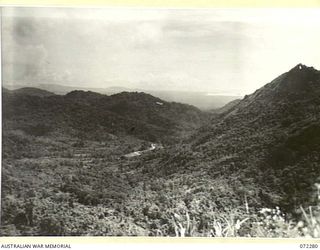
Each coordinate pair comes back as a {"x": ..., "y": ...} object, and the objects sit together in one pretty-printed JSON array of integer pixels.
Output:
[{"x": 85, "y": 163}]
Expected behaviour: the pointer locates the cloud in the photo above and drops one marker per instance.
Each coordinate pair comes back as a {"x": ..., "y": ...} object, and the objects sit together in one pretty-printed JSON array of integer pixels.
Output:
[
  {"x": 146, "y": 34},
  {"x": 195, "y": 49}
]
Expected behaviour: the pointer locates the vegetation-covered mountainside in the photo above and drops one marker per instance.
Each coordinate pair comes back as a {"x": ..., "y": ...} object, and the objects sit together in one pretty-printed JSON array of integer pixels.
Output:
[
  {"x": 64, "y": 172},
  {"x": 92, "y": 115},
  {"x": 271, "y": 137},
  {"x": 201, "y": 100}
]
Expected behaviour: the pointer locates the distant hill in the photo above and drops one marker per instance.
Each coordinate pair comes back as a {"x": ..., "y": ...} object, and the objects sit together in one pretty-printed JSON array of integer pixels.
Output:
[
  {"x": 32, "y": 92},
  {"x": 89, "y": 113},
  {"x": 201, "y": 100},
  {"x": 27, "y": 91},
  {"x": 57, "y": 89}
]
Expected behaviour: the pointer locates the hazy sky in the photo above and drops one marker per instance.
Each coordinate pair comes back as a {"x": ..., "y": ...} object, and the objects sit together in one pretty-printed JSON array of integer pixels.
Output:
[{"x": 224, "y": 50}]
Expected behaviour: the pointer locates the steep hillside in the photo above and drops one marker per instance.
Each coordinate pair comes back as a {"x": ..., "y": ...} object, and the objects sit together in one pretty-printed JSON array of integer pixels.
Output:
[{"x": 269, "y": 141}]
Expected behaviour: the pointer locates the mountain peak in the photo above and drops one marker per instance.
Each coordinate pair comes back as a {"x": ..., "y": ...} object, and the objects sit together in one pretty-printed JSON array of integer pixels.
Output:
[
  {"x": 299, "y": 78},
  {"x": 302, "y": 68}
]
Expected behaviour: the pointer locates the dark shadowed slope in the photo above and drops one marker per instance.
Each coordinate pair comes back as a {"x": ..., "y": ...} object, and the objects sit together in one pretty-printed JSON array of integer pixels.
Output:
[
  {"x": 90, "y": 114},
  {"x": 269, "y": 143}
]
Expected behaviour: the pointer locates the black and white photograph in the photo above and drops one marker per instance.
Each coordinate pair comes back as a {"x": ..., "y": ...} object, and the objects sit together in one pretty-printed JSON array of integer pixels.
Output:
[{"x": 160, "y": 122}]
